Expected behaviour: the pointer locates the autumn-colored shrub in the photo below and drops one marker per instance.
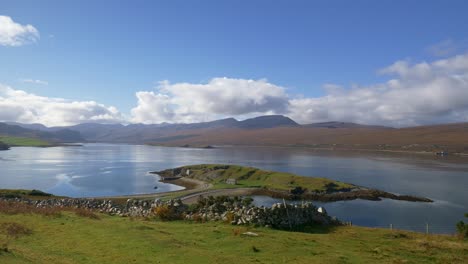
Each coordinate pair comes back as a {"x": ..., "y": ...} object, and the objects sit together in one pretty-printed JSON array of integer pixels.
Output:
[
  {"x": 23, "y": 208},
  {"x": 230, "y": 217}
]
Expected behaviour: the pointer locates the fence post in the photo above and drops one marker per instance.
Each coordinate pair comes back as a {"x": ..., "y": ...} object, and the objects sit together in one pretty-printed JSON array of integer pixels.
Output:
[
  {"x": 427, "y": 228},
  {"x": 391, "y": 226}
]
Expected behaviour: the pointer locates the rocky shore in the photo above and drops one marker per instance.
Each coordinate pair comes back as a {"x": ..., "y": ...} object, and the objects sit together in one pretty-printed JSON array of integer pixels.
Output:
[{"x": 362, "y": 193}]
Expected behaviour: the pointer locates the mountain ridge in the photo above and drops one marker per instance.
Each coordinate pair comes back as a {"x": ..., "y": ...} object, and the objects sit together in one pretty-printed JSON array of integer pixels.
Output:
[{"x": 274, "y": 130}]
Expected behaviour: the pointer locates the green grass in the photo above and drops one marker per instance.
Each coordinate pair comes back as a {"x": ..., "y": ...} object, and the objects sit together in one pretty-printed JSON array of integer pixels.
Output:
[
  {"x": 24, "y": 142},
  {"x": 253, "y": 177},
  {"x": 74, "y": 239}
]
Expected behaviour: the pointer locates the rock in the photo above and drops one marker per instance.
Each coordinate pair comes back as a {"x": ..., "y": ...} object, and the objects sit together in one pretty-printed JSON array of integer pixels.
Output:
[
  {"x": 251, "y": 234},
  {"x": 322, "y": 210}
]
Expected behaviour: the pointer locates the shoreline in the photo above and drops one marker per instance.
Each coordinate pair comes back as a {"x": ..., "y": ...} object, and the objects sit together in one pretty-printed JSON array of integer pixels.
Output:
[
  {"x": 195, "y": 188},
  {"x": 328, "y": 149}
]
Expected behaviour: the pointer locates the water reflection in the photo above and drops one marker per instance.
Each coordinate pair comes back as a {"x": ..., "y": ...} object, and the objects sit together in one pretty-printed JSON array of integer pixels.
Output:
[{"x": 106, "y": 169}]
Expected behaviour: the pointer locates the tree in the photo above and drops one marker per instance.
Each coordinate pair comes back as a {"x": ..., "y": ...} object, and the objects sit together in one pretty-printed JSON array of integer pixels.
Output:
[{"x": 462, "y": 228}]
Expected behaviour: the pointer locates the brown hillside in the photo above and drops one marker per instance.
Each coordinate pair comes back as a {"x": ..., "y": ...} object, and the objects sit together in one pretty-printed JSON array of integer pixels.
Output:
[{"x": 451, "y": 137}]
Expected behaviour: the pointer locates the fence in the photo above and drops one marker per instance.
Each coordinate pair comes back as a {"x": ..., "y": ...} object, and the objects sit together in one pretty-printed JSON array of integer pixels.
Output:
[{"x": 426, "y": 228}]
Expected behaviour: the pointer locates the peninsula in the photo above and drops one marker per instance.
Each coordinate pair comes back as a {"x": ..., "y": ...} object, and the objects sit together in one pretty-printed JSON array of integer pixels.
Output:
[{"x": 217, "y": 179}]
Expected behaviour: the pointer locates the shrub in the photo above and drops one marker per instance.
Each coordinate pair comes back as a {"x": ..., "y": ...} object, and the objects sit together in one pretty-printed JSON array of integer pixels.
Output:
[
  {"x": 39, "y": 193},
  {"x": 331, "y": 187},
  {"x": 230, "y": 217},
  {"x": 297, "y": 192},
  {"x": 462, "y": 229},
  {"x": 197, "y": 218},
  {"x": 167, "y": 213},
  {"x": 247, "y": 201},
  {"x": 22, "y": 208}
]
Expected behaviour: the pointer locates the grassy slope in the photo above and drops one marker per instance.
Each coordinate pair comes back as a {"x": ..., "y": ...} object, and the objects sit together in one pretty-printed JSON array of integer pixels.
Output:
[
  {"x": 73, "y": 239},
  {"x": 253, "y": 177},
  {"x": 24, "y": 142}
]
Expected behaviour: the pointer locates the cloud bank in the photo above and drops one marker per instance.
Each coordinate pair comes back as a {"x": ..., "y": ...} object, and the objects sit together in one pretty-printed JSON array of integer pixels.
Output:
[
  {"x": 414, "y": 94},
  {"x": 20, "y": 106},
  {"x": 423, "y": 93},
  {"x": 14, "y": 34},
  {"x": 219, "y": 98}
]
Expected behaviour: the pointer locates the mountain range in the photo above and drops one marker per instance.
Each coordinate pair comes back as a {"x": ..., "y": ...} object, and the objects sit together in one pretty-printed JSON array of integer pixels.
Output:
[{"x": 273, "y": 130}]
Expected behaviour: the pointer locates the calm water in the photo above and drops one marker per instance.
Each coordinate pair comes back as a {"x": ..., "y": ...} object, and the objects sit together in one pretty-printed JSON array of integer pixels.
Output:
[{"x": 103, "y": 169}]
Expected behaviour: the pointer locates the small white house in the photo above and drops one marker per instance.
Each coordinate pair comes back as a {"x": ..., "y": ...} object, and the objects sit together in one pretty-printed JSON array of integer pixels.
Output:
[
  {"x": 231, "y": 181},
  {"x": 187, "y": 172}
]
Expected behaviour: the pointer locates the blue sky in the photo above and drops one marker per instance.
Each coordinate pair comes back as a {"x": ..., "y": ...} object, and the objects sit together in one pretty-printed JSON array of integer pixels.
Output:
[{"x": 107, "y": 51}]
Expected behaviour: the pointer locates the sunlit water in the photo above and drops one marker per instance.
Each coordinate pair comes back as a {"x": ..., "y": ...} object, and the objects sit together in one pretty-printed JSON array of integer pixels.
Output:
[{"x": 105, "y": 170}]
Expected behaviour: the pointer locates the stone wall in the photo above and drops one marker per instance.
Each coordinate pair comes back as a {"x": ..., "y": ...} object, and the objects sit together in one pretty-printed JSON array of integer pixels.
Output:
[
  {"x": 280, "y": 215},
  {"x": 283, "y": 216}
]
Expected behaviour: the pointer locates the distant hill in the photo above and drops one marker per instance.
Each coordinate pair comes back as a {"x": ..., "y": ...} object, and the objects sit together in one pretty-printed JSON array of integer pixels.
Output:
[
  {"x": 60, "y": 135},
  {"x": 335, "y": 124},
  {"x": 275, "y": 130},
  {"x": 450, "y": 137},
  {"x": 165, "y": 132},
  {"x": 267, "y": 122}
]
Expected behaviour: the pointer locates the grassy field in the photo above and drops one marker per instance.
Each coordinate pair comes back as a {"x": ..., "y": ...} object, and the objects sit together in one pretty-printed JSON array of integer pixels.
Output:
[
  {"x": 253, "y": 177},
  {"x": 69, "y": 238},
  {"x": 24, "y": 142}
]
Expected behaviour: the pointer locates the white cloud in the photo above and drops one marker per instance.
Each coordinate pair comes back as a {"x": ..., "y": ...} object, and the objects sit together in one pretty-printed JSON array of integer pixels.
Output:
[
  {"x": 443, "y": 48},
  {"x": 220, "y": 97},
  {"x": 34, "y": 81},
  {"x": 20, "y": 106},
  {"x": 414, "y": 94},
  {"x": 422, "y": 93},
  {"x": 14, "y": 34}
]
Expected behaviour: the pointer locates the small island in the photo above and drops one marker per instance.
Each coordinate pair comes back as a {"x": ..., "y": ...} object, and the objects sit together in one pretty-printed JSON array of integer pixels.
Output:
[{"x": 218, "y": 179}]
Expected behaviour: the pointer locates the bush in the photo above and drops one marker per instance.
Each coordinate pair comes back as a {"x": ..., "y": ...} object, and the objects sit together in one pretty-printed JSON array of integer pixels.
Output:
[
  {"x": 462, "y": 229},
  {"x": 39, "y": 193},
  {"x": 167, "y": 213},
  {"x": 297, "y": 192},
  {"x": 22, "y": 208},
  {"x": 230, "y": 216}
]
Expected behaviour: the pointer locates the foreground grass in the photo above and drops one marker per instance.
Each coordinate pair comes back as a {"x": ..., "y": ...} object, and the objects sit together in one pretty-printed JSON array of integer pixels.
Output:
[
  {"x": 24, "y": 142},
  {"x": 252, "y": 177},
  {"x": 70, "y": 238}
]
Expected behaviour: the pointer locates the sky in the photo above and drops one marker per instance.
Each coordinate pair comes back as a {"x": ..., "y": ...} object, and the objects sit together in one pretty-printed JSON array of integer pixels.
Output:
[{"x": 398, "y": 63}]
